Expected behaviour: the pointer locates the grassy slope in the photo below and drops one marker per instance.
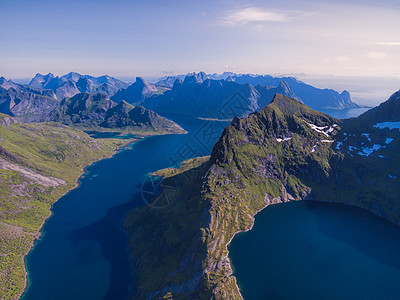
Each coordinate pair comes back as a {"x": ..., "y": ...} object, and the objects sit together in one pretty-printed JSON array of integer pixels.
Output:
[
  {"x": 52, "y": 150},
  {"x": 248, "y": 170}
]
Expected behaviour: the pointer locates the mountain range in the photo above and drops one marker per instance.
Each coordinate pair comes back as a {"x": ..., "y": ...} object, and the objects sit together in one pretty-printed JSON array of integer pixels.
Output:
[
  {"x": 74, "y": 83},
  {"x": 284, "y": 152},
  {"x": 196, "y": 94},
  {"x": 87, "y": 111},
  {"x": 199, "y": 96},
  {"x": 311, "y": 96}
]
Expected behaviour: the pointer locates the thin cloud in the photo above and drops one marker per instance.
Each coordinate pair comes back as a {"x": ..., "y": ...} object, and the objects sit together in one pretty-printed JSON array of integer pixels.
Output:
[
  {"x": 389, "y": 43},
  {"x": 257, "y": 14},
  {"x": 376, "y": 55}
]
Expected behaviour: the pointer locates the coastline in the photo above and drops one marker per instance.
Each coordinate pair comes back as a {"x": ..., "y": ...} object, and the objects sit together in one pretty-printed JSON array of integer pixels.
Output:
[{"x": 77, "y": 183}]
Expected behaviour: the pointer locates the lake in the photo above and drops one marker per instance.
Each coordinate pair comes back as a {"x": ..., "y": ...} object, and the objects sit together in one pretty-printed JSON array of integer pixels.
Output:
[{"x": 313, "y": 250}]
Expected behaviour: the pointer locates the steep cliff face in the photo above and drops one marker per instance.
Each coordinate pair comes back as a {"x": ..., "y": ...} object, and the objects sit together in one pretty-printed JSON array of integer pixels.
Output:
[
  {"x": 26, "y": 106},
  {"x": 285, "y": 152}
]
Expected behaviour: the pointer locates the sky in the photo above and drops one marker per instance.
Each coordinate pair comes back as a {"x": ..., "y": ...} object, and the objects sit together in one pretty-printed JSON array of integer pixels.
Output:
[{"x": 122, "y": 38}]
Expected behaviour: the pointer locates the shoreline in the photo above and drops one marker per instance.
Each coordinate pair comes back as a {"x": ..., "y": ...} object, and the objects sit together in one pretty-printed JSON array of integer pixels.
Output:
[
  {"x": 40, "y": 232},
  {"x": 230, "y": 240}
]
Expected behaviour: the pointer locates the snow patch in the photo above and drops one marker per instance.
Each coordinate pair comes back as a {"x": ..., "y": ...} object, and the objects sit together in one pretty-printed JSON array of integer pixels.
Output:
[
  {"x": 366, "y": 135},
  {"x": 327, "y": 141},
  {"x": 324, "y": 129},
  {"x": 391, "y": 176},
  {"x": 313, "y": 148},
  {"x": 351, "y": 148},
  {"x": 338, "y": 145},
  {"x": 283, "y": 140},
  {"x": 390, "y": 125},
  {"x": 388, "y": 140},
  {"x": 365, "y": 151}
]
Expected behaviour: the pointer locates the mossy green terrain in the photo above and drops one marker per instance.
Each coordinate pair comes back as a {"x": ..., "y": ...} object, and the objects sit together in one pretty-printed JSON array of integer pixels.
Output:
[
  {"x": 39, "y": 162},
  {"x": 285, "y": 152}
]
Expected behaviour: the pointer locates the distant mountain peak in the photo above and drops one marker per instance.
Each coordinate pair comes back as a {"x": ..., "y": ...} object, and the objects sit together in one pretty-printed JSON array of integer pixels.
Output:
[
  {"x": 140, "y": 80},
  {"x": 136, "y": 92},
  {"x": 196, "y": 78},
  {"x": 284, "y": 88},
  {"x": 178, "y": 81},
  {"x": 72, "y": 76}
]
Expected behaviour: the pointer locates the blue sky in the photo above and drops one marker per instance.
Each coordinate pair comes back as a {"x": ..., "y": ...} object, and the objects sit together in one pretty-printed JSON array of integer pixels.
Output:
[{"x": 154, "y": 38}]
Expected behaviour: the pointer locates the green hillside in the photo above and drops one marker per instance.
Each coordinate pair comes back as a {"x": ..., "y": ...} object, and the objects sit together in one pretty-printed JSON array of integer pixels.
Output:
[{"x": 39, "y": 162}]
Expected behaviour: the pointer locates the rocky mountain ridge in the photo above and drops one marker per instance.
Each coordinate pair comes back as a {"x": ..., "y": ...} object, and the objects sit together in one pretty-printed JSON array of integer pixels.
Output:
[
  {"x": 73, "y": 83},
  {"x": 311, "y": 96},
  {"x": 98, "y": 112}
]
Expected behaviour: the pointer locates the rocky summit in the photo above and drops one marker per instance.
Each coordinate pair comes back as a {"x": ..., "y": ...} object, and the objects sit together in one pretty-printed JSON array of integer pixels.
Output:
[{"x": 137, "y": 92}]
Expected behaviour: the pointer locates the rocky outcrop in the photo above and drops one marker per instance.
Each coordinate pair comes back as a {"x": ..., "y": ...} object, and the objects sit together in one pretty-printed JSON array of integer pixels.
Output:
[{"x": 6, "y": 120}]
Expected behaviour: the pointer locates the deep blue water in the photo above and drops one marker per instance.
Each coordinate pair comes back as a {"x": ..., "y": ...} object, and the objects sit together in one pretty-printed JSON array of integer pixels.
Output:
[
  {"x": 105, "y": 135},
  {"x": 312, "y": 250},
  {"x": 83, "y": 253}
]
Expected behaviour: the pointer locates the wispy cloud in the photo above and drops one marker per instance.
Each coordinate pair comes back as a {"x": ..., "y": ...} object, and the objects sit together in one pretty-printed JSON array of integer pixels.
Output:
[
  {"x": 257, "y": 14},
  {"x": 389, "y": 43},
  {"x": 376, "y": 55}
]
